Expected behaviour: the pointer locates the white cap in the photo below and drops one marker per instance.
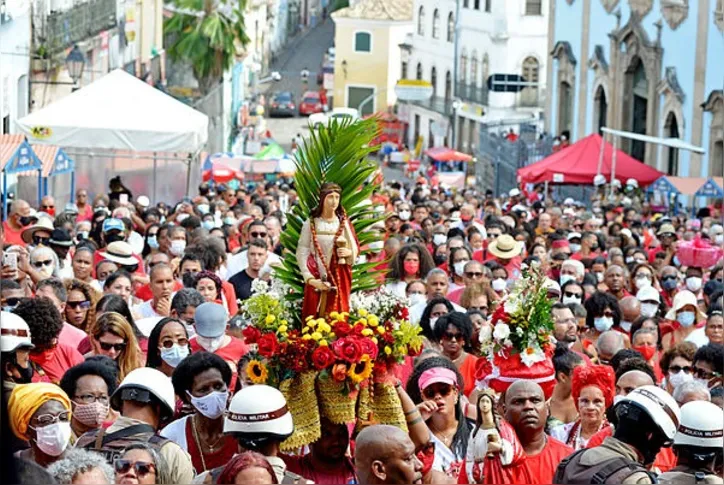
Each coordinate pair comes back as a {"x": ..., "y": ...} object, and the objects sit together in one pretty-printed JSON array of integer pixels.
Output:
[
  {"x": 616, "y": 183},
  {"x": 258, "y": 410},
  {"x": 574, "y": 235},
  {"x": 143, "y": 201},
  {"x": 515, "y": 192},
  {"x": 648, "y": 294},
  {"x": 701, "y": 425},
  {"x": 569, "y": 201},
  {"x": 633, "y": 183},
  {"x": 15, "y": 333},
  {"x": 599, "y": 180},
  {"x": 659, "y": 405}
]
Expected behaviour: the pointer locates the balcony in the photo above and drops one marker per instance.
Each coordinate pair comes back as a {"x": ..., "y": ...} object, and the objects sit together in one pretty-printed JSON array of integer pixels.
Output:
[
  {"x": 438, "y": 104},
  {"x": 472, "y": 94},
  {"x": 84, "y": 20}
]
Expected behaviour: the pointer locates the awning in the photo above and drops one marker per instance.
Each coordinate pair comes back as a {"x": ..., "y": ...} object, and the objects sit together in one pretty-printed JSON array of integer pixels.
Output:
[
  {"x": 16, "y": 155},
  {"x": 55, "y": 161},
  {"x": 445, "y": 154},
  {"x": 678, "y": 185},
  {"x": 713, "y": 187}
]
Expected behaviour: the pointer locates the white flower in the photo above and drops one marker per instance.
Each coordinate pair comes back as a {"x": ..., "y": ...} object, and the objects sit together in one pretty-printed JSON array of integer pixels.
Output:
[
  {"x": 511, "y": 305},
  {"x": 531, "y": 355},
  {"x": 486, "y": 332},
  {"x": 501, "y": 332},
  {"x": 259, "y": 286},
  {"x": 519, "y": 331}
]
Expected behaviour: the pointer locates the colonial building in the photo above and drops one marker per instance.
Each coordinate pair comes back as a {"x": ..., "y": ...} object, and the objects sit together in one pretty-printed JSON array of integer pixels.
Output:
[
  {"x": 367, "y": 37},
  {"x": 14, "y": 62},
  {"x": 648, "y": 66},
  {"x": 504, "y": 37}
]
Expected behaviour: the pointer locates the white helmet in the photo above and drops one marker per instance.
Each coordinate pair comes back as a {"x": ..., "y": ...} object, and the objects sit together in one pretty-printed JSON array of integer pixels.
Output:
[
  {"x": 259, "y": 411},
  {"x": 14, "y": 332},
  {"x": 141, "y": 385},
  {"x": 514, "y": 192},
  {"x": 633, "y": 183},
  {"x": 599, "y": 180},
  {"x": 702, "y": 424},
  {"x": 659, "y": 405},
  {"x": 616, "y": 183}
]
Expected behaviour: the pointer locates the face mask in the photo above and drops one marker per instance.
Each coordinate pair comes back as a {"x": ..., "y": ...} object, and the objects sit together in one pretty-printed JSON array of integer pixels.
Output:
[
  {"x": 377, "y": 246},
  {"x": 642, "y": 283},
  {"x": 178, "y": 247},
  {"x": 629, "y": 259},
  {"x": 626, "y": 327},
  {"x": 565, "y": 278},
  {"x": 599, "y": 277},
  {"x": 82, "y": 235},
  {"x": 91, "y": 414},
  {"x": 411, "y": 267},
  {"x": 693, "y": 283},
  {"x": 679, "y": 378},
  {"x": 466, "y": 217},
  {"x": 46, "y": 271},
  {"x": 440, "y": 259},
  {"x": 433, "y": 321},
  {"x": 211, "y": 405},
  {"x": 181, "y": 217},
  {"x": 575, "y": 247},
  {"x": 416, "y": 298},
  {"x": 594, "y": 247},
  {"x": 189, "y": 279},
  {"x": 499, "y": 284},
  {"x": 719, "y": 239},
  {"x": 649, "y": 310},
  {"x": 703, "y": 382},
  {"x": 603, "y": 324},
  {"x": 54, "y": 438},
  {"x": 229, "y": 221},
  {"x": 25, "y": 220},
  {"x": 404, "y": 215},
  {"x": 208, "y": 225},
  {"x": 460, "y": 267},
  {"x": 669, "y": 284},
  {"x": 210, "y": 344},
  {"x": 647, "y": 351},
  {"x": 175, "y": 354},
  {"x": 686, "y": 319},
  {"x": 152, "y": 242},
  {"x": 439, "y": 239},
  {"x": 568, "y": 300},
  {"x": 203, "y": 208},
  {"x": 111, "y": 238}
]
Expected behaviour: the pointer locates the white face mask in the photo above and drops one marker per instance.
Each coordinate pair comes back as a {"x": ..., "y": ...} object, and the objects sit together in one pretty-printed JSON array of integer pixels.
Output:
[
  {"x": 679, "y": 378},
  {"x": 719, "y": 239},
  {"x": 203, "y": 208},
  {"x": 603, "y": 324},
  {"x": 693, "y": 283},
  {"x": 416, "y": 298},
  {"x": 211, "y": 405},
  {"x": 433, "y": 321},
  {"x": 642, "y": 283},
  {"x": 210, "y": 344},
  {"x": 599, "y": 277},
  {"x": 439, "y": 239},
  {"x": 625, "y": 326},
  {"x": 177, "y": 247},
  {"x": 575, "y": 247},
  {"x": 565, "y": 278},
  {"x": 175, "y": 354},
  {"x": 567, "y": 300},
  {"x": 648, "y": 310},
  {"x": 703, "y": 382},
  {"x": 460, "y": 267},
  {"x": 54, "y": 438},
  {"x": 377, "y": 246},
  {"x": 405, "y": 215},
  {"x": 499, "y": 284}
]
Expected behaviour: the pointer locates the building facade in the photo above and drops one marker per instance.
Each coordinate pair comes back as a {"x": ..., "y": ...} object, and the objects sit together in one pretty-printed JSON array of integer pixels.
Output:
[
  {"x": 367, "y": 54},
  {"x": 647, "y": 66},
  {"x": 14, "y": 62},
  {"x": 504, "y": 37}
]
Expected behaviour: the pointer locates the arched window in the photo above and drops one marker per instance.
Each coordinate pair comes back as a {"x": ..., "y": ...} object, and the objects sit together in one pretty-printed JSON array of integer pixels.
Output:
[
  {"x": 362, "y": 42},
  {"x": 601, "y": 109},
  {"x": 463, "y": 68},
  {"x": 450, "y": 27},
  {"x": 436, "y": 24},
  {"x": 485, "y": 69},
  {"x": 433, "y": 80},
  {"x": 529, "y": 95},
  {"x": 671, "y": 130},
  {"x": 474, "y": 69},
  {"x": 448, "y": 86},
  {"x": 421, "y": 21},
  {"x": 635, "y": 106},
  {"x": 418, "y": 72}
]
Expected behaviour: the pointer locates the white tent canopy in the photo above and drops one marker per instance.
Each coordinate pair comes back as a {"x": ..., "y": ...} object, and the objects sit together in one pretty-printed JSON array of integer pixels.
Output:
[{"x": 118, "y": 112}]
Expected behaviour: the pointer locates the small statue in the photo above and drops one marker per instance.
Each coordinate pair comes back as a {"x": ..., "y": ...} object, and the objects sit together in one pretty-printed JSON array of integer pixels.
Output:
[
  {"x": 486, "y": 441},
  {"x": 326, "y": 251}
]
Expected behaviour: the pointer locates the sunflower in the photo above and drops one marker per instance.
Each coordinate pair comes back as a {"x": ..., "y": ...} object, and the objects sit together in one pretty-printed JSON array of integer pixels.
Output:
[
  {"x": 257, "y": 372},
  {"x": 361, "y": 370}
]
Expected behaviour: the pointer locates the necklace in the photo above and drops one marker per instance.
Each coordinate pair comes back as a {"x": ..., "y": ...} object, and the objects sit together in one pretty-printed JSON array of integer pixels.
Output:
[
  {"x": 198, "y": 441},
  {"x": 446, "y": 439}
]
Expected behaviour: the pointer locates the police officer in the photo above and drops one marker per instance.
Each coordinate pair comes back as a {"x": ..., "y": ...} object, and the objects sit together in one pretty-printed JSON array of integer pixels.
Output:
[
  {"x": 698, "y": 445},
  {"x": 146, "y": 401},
  {"x": 648, "y": 418}
]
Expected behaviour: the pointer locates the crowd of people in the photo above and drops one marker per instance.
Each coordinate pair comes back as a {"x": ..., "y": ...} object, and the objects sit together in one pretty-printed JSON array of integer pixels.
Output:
[{"x": 124, "y": 358}]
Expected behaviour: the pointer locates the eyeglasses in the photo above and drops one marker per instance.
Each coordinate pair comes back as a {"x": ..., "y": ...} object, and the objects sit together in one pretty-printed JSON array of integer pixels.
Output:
[
  {"x": 107, "y": 346},
  {"x": 48, "y": 207},
  {"x": 571, "y": 294},
  {"x": 142, "y": 467},
  {"x": 677, "y": 368},
  {"x": 37, "y": 240},
  {"x": 452, "y": 336},
  {"x": 167, "y": 344},
  {"x": 443, "y": 390},
  {"x": 258, "y": 234},
  {"x": 667, "y": 278},
  {"x": 90, "y": 398},
  {"x": 643, "y": 275},
  {"x": 83, "y": 305},
  {"x": 596, "y": 403},
  {"x": 40, "y": 264},
  {"x": 493, "y": 235},
  {"x": 700, "y": 373},
  {"x": 12, "y": 302},
  {"x": 48, "y": 419},
  {"x": 473, "y": 274}
]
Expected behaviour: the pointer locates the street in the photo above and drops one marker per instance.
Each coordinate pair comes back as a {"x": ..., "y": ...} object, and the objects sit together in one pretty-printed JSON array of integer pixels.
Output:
[{"x": 307, "y": 53}]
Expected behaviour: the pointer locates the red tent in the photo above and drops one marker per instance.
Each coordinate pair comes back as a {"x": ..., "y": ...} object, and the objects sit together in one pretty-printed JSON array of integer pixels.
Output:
[
  {"x": 445, "y": 154},
  {"x": 578, "y": 164}
]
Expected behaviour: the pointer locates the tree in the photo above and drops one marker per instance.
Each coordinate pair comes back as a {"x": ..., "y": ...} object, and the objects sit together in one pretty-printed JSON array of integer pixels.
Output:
[{"x": 207, "y": 34}]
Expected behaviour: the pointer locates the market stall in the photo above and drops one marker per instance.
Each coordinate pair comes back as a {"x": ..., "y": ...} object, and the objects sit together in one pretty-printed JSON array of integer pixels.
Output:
[
  {"x": 55, "y": 162},
  {"x": 16, "y": 156},
  {"x": 450, "y": 166}
]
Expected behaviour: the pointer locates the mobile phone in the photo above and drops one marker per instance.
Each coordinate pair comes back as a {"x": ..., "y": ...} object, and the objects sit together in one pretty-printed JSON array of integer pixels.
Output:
[
  {"x": 10, "y": 260},
  {"x": 123, "y": 199}
]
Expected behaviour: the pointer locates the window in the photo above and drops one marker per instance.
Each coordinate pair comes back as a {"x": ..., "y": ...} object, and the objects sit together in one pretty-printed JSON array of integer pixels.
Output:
[
  {"x": 418, "y": 73},
  {"x": 476, "y": 4},
  {"x": 485, "y": 69},
  {"x": 671, "y": 129},
  {"x": 533, "y": 7},
  {"x": 403, "y": 70},
  {"x": 565, "y": 107},
  {"x": 450, "y": 27},
  {"x": 355, "y": 96},
  {"x": 421, "y": 21},
  {"x": 436, "y": 24},
  {"x": 362, "y": 42},
  {"x": 463, "y": 68},
  {"x": 714, "y": 108},
  {"x": 487, "y": 5},
  {"x": 529, "y": 95},
  {"x": 433, "y": 80},
  {"x": 474, "y": 69},
  {"x": 601, "y": 109},
  {"x": 466, "y": 3},
  {"x": 448, "y": 86}
]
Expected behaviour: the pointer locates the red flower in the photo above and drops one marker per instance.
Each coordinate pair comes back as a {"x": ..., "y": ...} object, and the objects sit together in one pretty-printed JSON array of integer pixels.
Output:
[
  {"x": 499, "y": 315},
  {"x": 388, "y": 337},
  {"x": 357, "y": 330},
  {"x": 347, "y": 349},
  {"x": 268, "y": 345},
  {"x": 342, "y": 329},
  {"x": 368, "y": 348},
  {"x": 322, "y": 358},
  {"x": 339, "y": 372},
  {"x": 251, "y": 334}
]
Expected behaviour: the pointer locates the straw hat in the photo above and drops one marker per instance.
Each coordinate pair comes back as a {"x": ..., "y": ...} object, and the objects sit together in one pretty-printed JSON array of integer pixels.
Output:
[
  {"x": 120, "y": 252},
  {"x": 43, "y": 224},
  {"x": 505, "y": 247},
  {"x": 666, "y": 229},
  {"x": 683, "y": 299}
]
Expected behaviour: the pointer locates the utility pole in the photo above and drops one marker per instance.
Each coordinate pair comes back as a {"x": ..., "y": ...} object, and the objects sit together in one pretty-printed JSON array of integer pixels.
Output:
[{"x": 456, "y": 41}]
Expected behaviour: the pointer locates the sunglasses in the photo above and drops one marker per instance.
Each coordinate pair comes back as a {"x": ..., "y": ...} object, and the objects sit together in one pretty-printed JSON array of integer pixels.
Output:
[
  {"x": 142, "y": 467},
  {"x": 258, "y": 234},
  {"x": 41, "y": 240},
  {"x": 167, "y": 344},
  {"x": 48, "y": 207},
  {"x": 667, "y": 278},
  {"x": 677, "y": 368},
  {"x": 443, "y": 390},
  {"x": 83, "y": 305},
  {"x": 40, "y": 264},
  {"x": 107, "y": 347},
  {"x": 572, "y": 295},
  {"x": 700, "y": 373},
  {"x": 452, "y": 336},
  {"x": 473, "y": 274}
]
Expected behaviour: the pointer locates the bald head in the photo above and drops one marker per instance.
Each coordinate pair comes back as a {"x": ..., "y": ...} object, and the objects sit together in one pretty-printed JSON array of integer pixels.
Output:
[
  {"x": 382, "y": 455},
  {"x": 630, "y": 308},
  {"x": 525, "y": 410},
  {"x": 631, "y": 380},
  {"x": 608, "y": 344}
]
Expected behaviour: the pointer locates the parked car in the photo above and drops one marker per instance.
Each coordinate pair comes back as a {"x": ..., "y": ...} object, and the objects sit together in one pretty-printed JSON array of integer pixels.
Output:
[
  {"x": 311, "y": 103},
  {"x": 282, "y": 104},
  {"x": 342, "y": 113},
  {"x": 316, "y": 120}
]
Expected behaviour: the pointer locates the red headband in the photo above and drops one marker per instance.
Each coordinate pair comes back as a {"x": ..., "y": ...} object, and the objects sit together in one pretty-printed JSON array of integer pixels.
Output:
[{"x": 561, "y": 243}]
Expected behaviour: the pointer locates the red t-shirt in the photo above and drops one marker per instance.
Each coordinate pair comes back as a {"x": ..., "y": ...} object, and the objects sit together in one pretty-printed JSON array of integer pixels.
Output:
[
  {"x": 57, "y": 360},
  {"x": 455, "y": 295},
  {"x": 145, "y": 293},
  {"x": 665, "y": 459},
  {"x": 540, "y": 468},
  {"x": 467, "y": 370},
  {"x": 12, "y": 237},
  {"x": 86, "y": 214},
  {"x": 231, "y": 353},
  {"x": 302, "y": 465}
]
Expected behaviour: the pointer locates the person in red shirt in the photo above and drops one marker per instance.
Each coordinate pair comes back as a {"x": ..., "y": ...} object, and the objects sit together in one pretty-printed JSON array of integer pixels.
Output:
[
  {"x": 144, "y": 292},
  {"x": 526, "y": 411},
  {"x": 85, "y": 210},
  {"x": 616, "y": 282},
  {"x": 18, "y": 219},
  {"x": 506, "y": 251},
  {"x": 45, "y": 324}
]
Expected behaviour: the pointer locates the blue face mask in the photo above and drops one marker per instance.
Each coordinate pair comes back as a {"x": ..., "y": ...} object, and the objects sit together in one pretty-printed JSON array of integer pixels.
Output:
[
  {"x": 603, "y": 324},
  {"x": 152, "y": 242},
  {"x": 208, "y": 225},
  {"x": 669, "y": 284},
  {"x": 686, "y": 319},
  {"x": 175, "y": 354}
]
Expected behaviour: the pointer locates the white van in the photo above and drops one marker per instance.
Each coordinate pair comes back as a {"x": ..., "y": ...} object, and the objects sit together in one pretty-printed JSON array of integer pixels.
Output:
[{"x": 342, "y": 113}]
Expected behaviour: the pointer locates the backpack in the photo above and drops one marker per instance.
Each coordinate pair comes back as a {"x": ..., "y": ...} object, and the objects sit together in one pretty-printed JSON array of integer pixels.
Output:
[
  {"x": 614, "y": 470},
  {"x": 112, "y": 445}
]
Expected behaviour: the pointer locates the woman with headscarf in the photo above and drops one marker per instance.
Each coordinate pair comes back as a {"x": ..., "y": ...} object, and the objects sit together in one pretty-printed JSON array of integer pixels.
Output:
[
  {"x": 593, "y": 389},
  {"x": 40, "y": 414}
]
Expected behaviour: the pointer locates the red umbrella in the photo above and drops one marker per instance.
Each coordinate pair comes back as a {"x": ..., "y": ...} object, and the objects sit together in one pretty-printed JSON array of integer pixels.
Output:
[
  {"x": 222, "y": 174},
  {"x": 445, "y": 154}
]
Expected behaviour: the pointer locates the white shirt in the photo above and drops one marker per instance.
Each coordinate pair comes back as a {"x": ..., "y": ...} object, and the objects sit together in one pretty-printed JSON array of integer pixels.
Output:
[
  {"x": 147, "y": 324},
  {"x": 239, "y": 262},
  {"x": 145, "y": 309},
  {"x": 398, "y": 288},
  {"x": 418, "y": 309},
  {"x": 176, "y": 432},
  {"x": 698, "y": 337}
]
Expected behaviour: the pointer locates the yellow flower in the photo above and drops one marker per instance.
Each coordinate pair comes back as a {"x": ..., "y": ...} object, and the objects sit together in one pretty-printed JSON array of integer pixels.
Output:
[
  {"x": 284, "y": 322},
  {"x": 373, "y": 321},
  {"x": 312, "y": 323},
  {"x": 282, "y": 329},
  {"x": 367, "y": 332},
  {"x": 323, "y": 343},
  {"x": 362, "y": 312},
  {"x": 309, "y": 317},
  {"x": 362, "y": 322},
  {"x": 270, "y": 319},
  {"x": 316, "y": 336},
  {"x": 306, "y": 337},
  {"x": 402, "y": 350},
  {"x": 380, "y": 330},
  {"x": 324, "y": 328},
  {"x": 374, "y": 339},
  {"x": 320, "y": 321},
  {"x": 388, "y": 350},
  {"x": 334, "y": 315},
  {"x": 257, "y": 372},
  {"x": 360, "y": 371}
]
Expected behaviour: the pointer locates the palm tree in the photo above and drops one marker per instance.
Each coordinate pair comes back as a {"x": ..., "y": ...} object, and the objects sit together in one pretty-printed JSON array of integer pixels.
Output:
[
  {"x": 208, "y": 34},
  {"x": 335, "y": 153}
]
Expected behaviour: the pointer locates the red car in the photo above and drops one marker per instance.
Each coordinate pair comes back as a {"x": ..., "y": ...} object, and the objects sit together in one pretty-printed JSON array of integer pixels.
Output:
[{"x": 311, "y": 103}]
